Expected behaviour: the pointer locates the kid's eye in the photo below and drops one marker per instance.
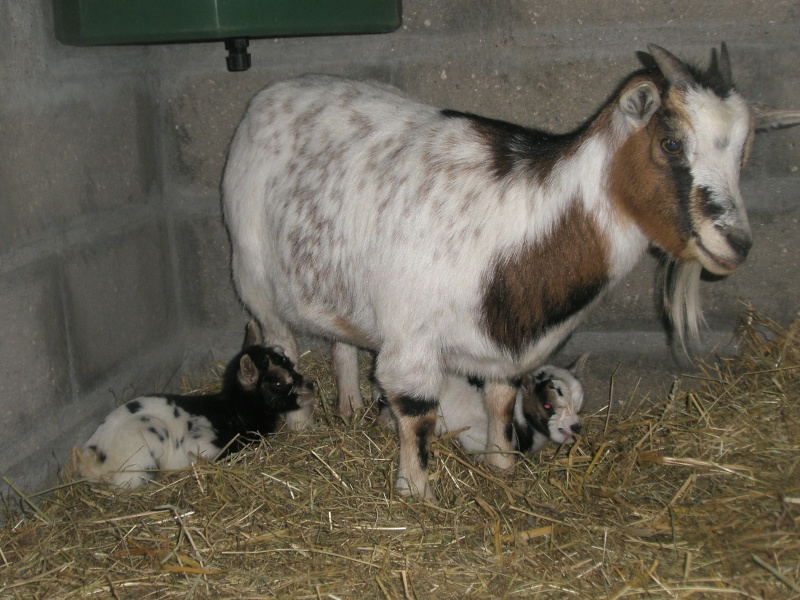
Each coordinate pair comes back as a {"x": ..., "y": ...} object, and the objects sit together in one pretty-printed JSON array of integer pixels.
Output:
[{"x": 671, "y": 146}]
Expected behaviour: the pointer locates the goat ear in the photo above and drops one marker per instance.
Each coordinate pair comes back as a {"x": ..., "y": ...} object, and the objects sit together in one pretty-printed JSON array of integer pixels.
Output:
[
  {"x": 769, "y": 117},
  {"x": 252, "y": 334},
  {"x": 640, "y": 102},
  {"x": 576, "y": 368},
  {"x": 672, "y": 68},
  {"x": 278, "y": 350},
  {"x": 248, "y": 372}
]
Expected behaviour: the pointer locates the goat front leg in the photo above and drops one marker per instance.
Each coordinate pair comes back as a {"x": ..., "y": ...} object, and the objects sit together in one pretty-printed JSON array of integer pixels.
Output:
[
  {"x": 499, "y": 398},
  {"x": 416, "y": 421},
  {"x": 345, "y": 369}
]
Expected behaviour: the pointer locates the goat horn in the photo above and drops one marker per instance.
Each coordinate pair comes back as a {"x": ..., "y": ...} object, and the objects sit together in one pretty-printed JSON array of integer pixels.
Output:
[
  {"x": 721, "y": 66},
  {"x": 725, "y": 65},
  {"x": 671, "y": 67}
]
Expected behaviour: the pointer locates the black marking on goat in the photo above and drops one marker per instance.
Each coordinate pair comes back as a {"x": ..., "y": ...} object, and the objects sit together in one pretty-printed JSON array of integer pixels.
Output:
[
  {"x": 160, "y": 435},
  {"x": 680, "y": 169},
  {"x": 524, "y": 436},
  {"x": 540, "y": 389},
  {"x": 423, "y": 431},
  {"x": 508, "y": 431},
  {"x": 712, "y": 79},
  {"x": 144, "y": 419},
  {"x": 511, "y": 145},
  {"x": 189, "y": 425},
  {"x": 134, "y": 406},
  {"x": 176, "y": 412},
  {"x": 476, "y": 381},
  {"x": 538, "y": 410},
  {"x": 414, "y": 406},
  {"x": 682, "y": 176},
  {"x": 708, "y": 207},
  {"x": 101, "y": 456}
]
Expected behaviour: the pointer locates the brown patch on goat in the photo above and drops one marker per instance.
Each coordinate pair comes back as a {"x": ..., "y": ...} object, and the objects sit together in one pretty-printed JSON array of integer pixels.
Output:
[
  {"x": 352, "y": 333},
  {"x": 541, "y": 284},
  {"x": 361, "y": 123},
  {"x": 645, "y": 186}
]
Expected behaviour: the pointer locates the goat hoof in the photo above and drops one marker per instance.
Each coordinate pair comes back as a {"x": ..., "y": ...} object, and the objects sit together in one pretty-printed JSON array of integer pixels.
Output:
[{"x": 499, "y": 460}]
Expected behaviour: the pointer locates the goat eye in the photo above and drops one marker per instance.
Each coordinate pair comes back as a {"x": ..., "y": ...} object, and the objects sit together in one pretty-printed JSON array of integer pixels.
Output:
[
  {"x": 280, "y": 386},
  {"x": 671, "y": 146}
]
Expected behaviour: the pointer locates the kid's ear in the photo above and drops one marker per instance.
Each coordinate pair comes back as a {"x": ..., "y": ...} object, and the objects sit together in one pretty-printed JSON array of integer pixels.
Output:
[
  {"x": 640, "y": 102},
  {"x": 252, "y": 334},
  {"x": 248, "y": 372},
  {"x": 576, "y": 368}
]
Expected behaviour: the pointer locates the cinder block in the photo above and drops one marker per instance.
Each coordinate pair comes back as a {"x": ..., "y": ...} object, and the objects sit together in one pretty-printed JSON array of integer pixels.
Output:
[
  {"x": 204, "y": 112},
  {"x": 768, "y": 76},
  {"x": 450, "y": 17},
  {"x": 34, "y": 364},
  {"x": 632, "y": 304},
  {"x": 22, "y": 34},
  {"x": 119, "y": 299},
  {"x": 207, "y": 293},
  {"x": 63, "y": 159},
  {"x": 556, "y": 96},
  {"x": 770, "y": 279},
  {"x": 572, "y": 15}
]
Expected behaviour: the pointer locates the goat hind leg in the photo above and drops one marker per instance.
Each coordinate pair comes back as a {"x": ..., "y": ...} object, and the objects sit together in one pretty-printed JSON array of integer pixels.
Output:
[{"x": 345, "y": 369}]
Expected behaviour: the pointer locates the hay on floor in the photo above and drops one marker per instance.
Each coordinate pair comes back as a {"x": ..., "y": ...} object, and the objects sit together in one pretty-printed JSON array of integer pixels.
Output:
[{"x": 697, "y": 494}]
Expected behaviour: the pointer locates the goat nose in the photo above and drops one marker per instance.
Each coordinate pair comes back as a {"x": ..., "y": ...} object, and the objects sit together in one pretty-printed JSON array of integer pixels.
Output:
[
  {"x": 576, "y": 428},
  {"x": 741, "y": 242}
]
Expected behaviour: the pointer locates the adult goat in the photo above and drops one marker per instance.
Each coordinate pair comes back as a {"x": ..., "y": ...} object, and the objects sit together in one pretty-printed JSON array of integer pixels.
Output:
[{"x": 450, "y": 243}]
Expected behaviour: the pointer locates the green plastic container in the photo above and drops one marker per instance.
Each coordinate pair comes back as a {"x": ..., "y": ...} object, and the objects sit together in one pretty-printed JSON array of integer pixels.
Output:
[{"x": 101, "y": 22}]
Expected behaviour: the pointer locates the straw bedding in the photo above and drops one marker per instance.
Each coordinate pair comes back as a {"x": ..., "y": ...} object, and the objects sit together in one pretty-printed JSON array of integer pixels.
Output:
[{"x": 696, "y": 494}]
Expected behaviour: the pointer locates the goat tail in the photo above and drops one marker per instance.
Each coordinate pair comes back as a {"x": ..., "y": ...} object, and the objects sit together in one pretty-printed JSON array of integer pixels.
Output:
[{"x": 680, "y": 285}]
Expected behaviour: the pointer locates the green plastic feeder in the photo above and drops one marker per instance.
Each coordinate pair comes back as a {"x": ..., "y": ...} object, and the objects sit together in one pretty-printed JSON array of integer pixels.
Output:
[{"x": 105, "y": 22}]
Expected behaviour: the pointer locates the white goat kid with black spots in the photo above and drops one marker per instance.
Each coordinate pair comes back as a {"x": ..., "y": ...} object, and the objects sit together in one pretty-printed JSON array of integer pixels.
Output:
[
  {"x": 546, "y": 409},
  {"x": 449, "y": 243},
  {"x": 168, "y": 431}
]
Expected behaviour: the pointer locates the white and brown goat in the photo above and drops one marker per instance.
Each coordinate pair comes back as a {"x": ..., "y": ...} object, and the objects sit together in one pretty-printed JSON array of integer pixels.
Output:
[
  {"x": 165, "y": 432},
  {"x": 450, "y": 243}
]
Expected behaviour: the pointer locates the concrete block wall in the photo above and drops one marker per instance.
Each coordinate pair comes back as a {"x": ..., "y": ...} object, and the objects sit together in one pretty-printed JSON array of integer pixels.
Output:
[
  {"x": 87, "y": 303},
  {"x": 113, "y": 257}
]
